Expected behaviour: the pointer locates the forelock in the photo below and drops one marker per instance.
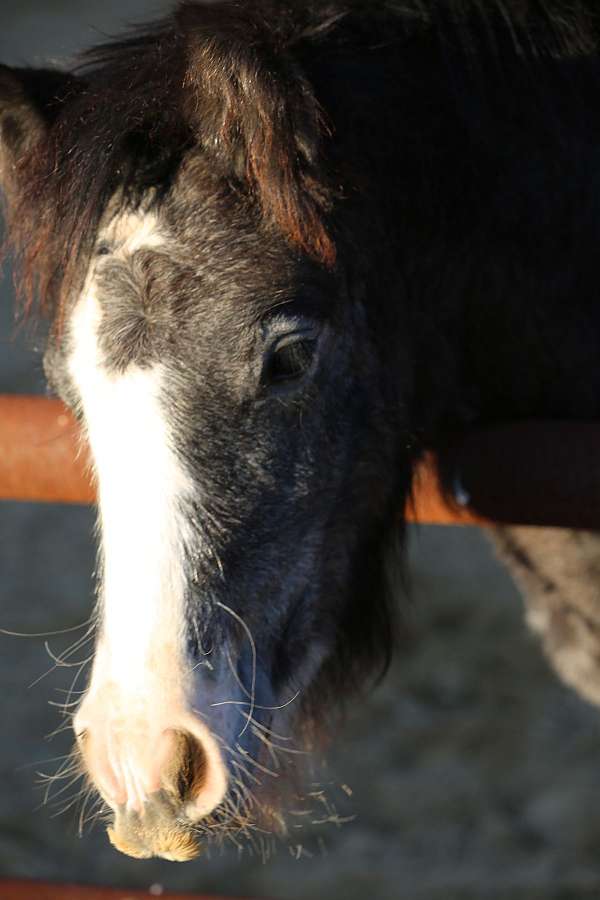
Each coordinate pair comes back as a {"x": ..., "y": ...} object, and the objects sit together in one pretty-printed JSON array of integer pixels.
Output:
[{"x": 122, "y": 135}]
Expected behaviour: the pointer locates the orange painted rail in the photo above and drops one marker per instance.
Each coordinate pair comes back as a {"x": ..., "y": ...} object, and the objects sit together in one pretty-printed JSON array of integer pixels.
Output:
[
  {"x": 528, "y": 473},
  {"x": 33, "y": 890},
  {"x": 42, "y": 458},
  {"x": 40, "y": 453}
]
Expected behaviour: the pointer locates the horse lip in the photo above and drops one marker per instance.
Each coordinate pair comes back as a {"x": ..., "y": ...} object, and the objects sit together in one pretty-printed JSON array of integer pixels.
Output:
[{"x": 160, "y": 830}]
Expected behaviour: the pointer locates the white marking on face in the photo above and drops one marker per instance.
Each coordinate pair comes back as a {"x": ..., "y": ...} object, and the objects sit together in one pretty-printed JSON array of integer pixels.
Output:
[
  {"x": 141, "y": 680},
  {"x": 139, "y": 484},
  {"x": 133, "y": 231}
]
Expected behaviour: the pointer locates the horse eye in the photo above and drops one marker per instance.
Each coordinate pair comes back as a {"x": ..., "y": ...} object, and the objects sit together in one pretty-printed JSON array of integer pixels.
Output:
[{"x": 289, "y": 360}]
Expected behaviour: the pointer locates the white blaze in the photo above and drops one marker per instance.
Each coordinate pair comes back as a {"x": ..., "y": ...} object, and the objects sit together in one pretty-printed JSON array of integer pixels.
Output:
[
  {"x": 141, "y": 685},
  {"x": 132, "y": 231},
  {"x": 139, "y": 484}
]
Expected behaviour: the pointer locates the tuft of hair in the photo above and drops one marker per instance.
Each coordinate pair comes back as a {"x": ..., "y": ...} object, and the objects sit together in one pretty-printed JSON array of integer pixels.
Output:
[
  {"x": 228, "y": 80},
  {"x": 213, "y": 79},
  {"x": 249, "y": 100}
]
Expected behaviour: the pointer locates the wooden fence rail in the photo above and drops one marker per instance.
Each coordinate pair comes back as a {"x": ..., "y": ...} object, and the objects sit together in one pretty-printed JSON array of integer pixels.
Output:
[
  {"x": 528, "y": 473},
  {"x": 34, "y": 890}
]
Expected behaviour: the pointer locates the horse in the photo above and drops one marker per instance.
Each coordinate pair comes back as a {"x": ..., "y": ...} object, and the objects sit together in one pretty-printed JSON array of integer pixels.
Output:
[{"x": 285, "y": 248}]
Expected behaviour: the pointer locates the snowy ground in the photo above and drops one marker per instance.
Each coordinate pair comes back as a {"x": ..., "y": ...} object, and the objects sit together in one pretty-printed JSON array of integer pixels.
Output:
[{"x": 474, "y": 773}]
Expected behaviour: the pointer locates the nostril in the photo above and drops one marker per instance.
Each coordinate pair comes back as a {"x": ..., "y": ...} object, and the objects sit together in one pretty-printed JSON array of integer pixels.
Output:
[
  {"x": 138, "y": 758},
  {"x": 187, "y": 770}
]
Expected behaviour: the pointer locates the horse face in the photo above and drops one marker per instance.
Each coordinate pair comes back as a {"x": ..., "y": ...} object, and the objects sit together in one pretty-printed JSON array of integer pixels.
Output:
[
  {"x": 230, "y": 395},
  {"x": 235, "y": 388}
]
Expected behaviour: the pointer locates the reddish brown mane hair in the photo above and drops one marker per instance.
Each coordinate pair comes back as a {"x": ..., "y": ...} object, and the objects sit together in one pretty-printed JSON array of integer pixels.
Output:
[
  {"x": 226, "y": 79},
  {"x": 213, "y": 78}
]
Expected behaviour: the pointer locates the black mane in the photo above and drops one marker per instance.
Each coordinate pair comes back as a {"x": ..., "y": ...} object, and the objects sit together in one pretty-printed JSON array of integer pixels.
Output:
[{"x": 234, "y": 80}]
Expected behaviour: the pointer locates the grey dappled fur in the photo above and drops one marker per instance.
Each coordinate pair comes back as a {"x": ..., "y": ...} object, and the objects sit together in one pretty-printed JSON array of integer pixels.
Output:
[{"x": 558, "y": 571}]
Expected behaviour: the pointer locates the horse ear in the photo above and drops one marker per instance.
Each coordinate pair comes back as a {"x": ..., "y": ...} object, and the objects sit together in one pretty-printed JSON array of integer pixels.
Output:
[
  {"x": 253, "y": 109},
  {"x": 30, "y": 100}
]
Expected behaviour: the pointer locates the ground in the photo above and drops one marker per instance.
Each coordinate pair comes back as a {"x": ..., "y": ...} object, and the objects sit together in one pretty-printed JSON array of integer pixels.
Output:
[{"x": 473, "y": 772}]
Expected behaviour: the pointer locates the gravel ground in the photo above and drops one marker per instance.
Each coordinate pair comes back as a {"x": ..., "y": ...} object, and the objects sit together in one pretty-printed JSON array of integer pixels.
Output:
[{"x": 474, "y": 773}]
